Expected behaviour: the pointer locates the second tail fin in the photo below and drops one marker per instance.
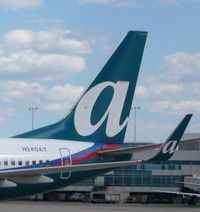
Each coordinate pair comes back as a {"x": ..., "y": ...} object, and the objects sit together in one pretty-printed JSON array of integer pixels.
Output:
[{"x": 168, "y": 148}]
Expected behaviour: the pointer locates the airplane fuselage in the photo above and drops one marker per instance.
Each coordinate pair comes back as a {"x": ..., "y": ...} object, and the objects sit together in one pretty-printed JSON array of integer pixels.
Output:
[{"x": 41, "y": 153}]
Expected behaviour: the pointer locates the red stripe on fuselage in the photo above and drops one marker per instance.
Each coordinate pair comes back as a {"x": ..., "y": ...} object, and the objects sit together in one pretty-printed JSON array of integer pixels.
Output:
[
  {"x": 94, "y": 154},
  {"x": 89, "y": 156}
]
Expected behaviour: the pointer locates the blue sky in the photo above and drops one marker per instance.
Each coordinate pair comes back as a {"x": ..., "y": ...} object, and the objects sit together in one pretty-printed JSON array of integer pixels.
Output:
[{"x": 50, "y": 50}]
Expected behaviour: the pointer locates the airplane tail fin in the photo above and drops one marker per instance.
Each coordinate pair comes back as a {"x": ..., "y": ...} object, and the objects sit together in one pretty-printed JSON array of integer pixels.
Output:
[
  {"x": 168, "y": 148},
  {"x": 101, "y": 113}
]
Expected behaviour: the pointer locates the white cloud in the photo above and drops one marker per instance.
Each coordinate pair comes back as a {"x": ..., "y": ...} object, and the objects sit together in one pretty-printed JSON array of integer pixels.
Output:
[
  {"x": 28, "y": 63},
  {"x": 141, "y": 91},
  {"x": 57, "y": 107},
  {"x": 18, "y": 38},
  {"x": 58, "y": 98},
  {"x": 182, "y": 66},
  {"x": 44, "y": 55},
  {"x": 169, "y": 98},
  {"x": 61, "y": 93},
  {"x": 12, "y": 90},
  {"x": 20, "y": 4},
  {"x": 61, "y": 98},
  {"x": 179, "y": 106},
  {"x": 176, "y": 89},
  {"x": 154, "y": 89},
  {"x": 61, "y": 41}
]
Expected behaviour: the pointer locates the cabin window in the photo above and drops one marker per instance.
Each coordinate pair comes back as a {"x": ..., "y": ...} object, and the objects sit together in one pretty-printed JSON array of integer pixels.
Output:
[
  {"x": 40, "y": 162},
  {"x": 20, "y": 163},
  {"x": 34, "y": 162},
  {"x": 47, "y": 162},
  {"x": 5, "y": 162},
  {"x": 12, "y": 162},
  {"x": 27, "y": 162}
]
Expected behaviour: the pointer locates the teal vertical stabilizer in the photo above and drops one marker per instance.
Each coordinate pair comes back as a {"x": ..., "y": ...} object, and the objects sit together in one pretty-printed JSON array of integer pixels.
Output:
[
  {"x": 168, "y": 148},
  {"x": 101, "y": 113}
]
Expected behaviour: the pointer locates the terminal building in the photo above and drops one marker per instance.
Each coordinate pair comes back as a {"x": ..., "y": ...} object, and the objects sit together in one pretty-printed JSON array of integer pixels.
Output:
[{"x": 149, "y": 178}]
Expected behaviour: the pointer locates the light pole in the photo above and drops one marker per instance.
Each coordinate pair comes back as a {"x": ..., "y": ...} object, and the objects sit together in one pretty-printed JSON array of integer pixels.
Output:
[
  {"x": 135, "y": 108},
  {"x": 32, "y": 110}
]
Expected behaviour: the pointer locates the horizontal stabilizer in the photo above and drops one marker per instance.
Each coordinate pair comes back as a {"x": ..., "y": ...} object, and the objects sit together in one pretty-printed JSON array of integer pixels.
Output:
[{"x": 128, "y": 150}]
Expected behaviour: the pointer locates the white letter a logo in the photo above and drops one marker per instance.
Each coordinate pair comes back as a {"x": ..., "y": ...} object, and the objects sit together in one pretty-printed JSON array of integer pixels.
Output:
[{"x": 82, "y": 116}]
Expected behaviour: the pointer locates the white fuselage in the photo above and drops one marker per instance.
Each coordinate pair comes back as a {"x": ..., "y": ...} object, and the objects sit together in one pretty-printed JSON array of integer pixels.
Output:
[{"x": 17, "y": 152}]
